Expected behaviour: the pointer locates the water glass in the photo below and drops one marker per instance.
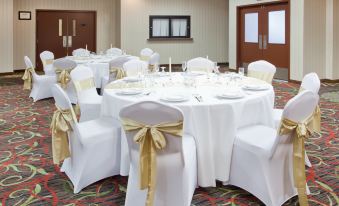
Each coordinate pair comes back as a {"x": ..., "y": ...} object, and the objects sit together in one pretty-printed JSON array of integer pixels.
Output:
[
  {"x": 184, "y": 66},
  {"x": 242, "y": 71}
]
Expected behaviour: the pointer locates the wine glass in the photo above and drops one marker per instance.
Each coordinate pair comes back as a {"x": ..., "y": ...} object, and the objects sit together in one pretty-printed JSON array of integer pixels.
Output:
[
  {"x": 242, "y": 71},
  {"x": 163, "y": 69},
  {"x": 184, "y": 66}
]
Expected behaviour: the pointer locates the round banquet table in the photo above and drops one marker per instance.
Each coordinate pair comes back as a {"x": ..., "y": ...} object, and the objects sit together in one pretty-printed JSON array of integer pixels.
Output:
[
  {"x": 99, "y": 64},
  {"x": 212, "y": 121}
]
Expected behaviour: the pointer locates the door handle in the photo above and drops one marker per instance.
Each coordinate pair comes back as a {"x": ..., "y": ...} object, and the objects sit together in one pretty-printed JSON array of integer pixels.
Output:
[
  {"x": 265, "y": 42},
  {"x": 64, "y": 41},
  {"x": 260, "y": 42},
  {"x": 69, "y": 41}
]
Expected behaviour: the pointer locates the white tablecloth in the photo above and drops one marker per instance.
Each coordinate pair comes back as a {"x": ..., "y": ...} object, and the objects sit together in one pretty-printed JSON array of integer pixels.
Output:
[{"x": 213, "y": 122}]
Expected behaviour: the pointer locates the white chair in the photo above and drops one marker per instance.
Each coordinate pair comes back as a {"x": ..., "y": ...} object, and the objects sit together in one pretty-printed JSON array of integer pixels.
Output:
[
  {"x": 262, "y": 70},
  {"x": 117, "y": 63},
  {"x": 154, "y": 60},
  {"x": 80, "y": 52},
  {"x": 88, "y": 98},
  {"x": 67, "y": 64},
  {"x": 114, "y": 52},
  {"x": 262, "y": 161},
  {"x": 47, "y": 59},
  {"x": 145, "y": 54},
  {"x": 134, "y": 67},
  {"x": 41, "y": 85},
  {"x": 200, "y": 65},
  {"x": 94, "y": 147},
  {"x": 176, "y": 165}
]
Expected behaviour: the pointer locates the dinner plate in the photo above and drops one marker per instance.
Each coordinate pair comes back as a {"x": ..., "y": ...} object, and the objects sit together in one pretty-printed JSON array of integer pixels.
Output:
[
  {"x": 175, "y": 98},
  {"x": 132, "y": 79},
  {"x": 230, "y": 95},
  {"x": 255, "y": 87},
  {"x": 130, "y": 91}
]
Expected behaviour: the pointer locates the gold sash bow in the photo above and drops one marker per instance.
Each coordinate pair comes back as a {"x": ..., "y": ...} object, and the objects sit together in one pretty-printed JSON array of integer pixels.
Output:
[
  {"x": 145, "y": 58},
  {"x": 84, "y": 84},
  {"x": 150, "y": 138},
  {"x": 300, "y": 132},
  {"x": 265, "y": 76},
  {"x": 61, "y": 124},
  {"x": 63, "y": 77},
  {"x": 152, "y": 68},
  {"x": 28, "y": 78},
  {"x": 119, "y": 72}
]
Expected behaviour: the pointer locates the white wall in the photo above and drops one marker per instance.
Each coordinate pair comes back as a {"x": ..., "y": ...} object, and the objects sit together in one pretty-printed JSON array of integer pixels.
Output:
[
  {"x": 6, "y": 36},
  {"x": 209, "y": 28},
  {"x": 336, "y": 40},
  {"x": 24, "y": 31},
  {"x": 296, "y": 33}
]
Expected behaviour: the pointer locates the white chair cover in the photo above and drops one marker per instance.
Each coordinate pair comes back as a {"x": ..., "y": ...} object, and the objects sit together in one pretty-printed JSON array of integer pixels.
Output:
[
  {"x": 262, "y": 67},
  {"x": 147, "y": 52},
  {"x": 114, "y": 52},
  {"x": 81, "y": 52},
  {"x": 200, "y": 65},
  {"x": 45, "y": 57},
  {"x": 94, "y": 146},
  {"x": 67, "y": 64},
  {"x": 176, "y": 164},
  {"x": 42, "y": 84},
  {"x": 88, "y": 98},
  {"x": 262, "y": 161},
  {"x": 133, "y": 67}
]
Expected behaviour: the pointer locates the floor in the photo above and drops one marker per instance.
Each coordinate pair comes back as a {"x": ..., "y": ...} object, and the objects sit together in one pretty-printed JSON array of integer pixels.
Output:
[{"x": 28, "y": 176}]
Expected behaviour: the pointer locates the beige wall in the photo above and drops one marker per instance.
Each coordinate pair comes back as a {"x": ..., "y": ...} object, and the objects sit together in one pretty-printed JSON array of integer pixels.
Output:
[
  {"x": 209, "y": 28},
  {"x": 296, "y": 32},
  {"x": 336, "y": 40},
  {"x": 6, "y": 36},
  {"x": 315, "y": 37},
  {"x": 24, "y": 31}
]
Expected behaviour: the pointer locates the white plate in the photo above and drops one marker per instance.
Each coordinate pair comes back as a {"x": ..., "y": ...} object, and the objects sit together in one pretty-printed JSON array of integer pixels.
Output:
[
  {"x": 230, "y": 95},
  {"x": 132, "y": 79},
  {"x": 130, "y": 91},
  {"x": 193, "y": 74},
  {"x": 175, "y": 98},
  {"x": 255, "y": 87}
]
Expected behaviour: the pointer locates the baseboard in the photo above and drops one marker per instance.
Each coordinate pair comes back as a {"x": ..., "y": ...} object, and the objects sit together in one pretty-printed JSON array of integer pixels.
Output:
[
  {"x": 329, "y": 80},
  {"x": 7, "y": 73}
]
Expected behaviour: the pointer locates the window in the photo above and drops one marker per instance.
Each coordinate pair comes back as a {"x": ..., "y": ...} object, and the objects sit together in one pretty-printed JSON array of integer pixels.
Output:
[{"x": 169, "y": 27}]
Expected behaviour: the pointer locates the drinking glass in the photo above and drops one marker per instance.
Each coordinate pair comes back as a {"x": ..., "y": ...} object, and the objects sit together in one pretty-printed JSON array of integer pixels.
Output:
[
  {"x": 163, "y": 69},
  {"x": 242, "y": 71},
  {"x": 184, "y": 66}
]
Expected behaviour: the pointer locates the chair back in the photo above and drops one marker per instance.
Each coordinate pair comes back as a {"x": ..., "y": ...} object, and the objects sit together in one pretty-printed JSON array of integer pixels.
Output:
[
  {"x": 80, "y": 52},
  {"x": 146, "y": 52},
  {"x": 135, "y": 66},
  {"x": 300, "y": 107},
  {"x": 311, "y": 82},
  {"x": 114, "y": 51},
  {"x": 64, "y": 63},
  {"x": 29, "y": 64},
  {"x": 61, "y": 99},
  {"x": 152, "y": 113},
  {"x": 46, "y": 55},
  {"x": 83, "y": 75},
  {"x": 155, "y": 59},
  {"x": 200, "y": 64},
  {"x": 262, "y": 66}
]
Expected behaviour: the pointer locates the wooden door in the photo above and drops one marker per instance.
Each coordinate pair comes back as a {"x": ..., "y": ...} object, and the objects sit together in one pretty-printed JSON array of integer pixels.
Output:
[
  {"x": 263, "y": 34},
  {"x": 61, "y": 32}
]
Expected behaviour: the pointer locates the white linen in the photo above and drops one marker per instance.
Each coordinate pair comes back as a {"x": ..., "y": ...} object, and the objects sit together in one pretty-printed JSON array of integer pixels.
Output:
[{"x": 213, "y": 122}]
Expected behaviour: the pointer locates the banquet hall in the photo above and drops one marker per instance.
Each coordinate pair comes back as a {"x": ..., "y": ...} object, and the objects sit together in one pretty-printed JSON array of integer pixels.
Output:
[{"x": 169, "y": 102}]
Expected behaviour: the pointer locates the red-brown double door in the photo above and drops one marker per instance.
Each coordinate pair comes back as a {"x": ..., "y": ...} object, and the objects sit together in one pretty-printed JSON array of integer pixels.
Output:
[
  {"x": 263, "y": 34},
  {"x": 61, "y": 32}
]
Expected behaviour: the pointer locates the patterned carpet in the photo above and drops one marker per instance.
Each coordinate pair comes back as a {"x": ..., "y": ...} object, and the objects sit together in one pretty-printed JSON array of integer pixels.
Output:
[{"x": 28, "y": 176}]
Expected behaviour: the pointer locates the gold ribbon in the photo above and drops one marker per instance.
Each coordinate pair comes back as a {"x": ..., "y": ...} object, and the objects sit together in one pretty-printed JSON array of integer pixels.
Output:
[
  {"x": 48, "y": 61},
  {"x": 28, "y": 78},
  {"x": 265, "y": 76},
  {"x": 145, "y": 58},
  {"x": 63, "y": 77},
  {"x": 61, "y": 124},
  {"x": 300, "y": 132},
  {"x": 119, "y": 72},
  {"x": 84, "y": 84},
  {"x": 150, "y": 138}
]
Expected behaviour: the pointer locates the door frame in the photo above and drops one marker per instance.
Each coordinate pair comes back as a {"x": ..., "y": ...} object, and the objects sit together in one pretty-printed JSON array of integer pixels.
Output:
[
  {"x": 238, "y": 37},
  {"x": 37, "y": 55}
]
